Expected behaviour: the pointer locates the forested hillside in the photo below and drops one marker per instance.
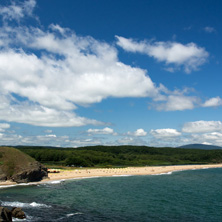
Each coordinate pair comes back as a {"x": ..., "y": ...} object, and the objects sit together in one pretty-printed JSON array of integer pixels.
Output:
[{"x": 114, "y": 156}]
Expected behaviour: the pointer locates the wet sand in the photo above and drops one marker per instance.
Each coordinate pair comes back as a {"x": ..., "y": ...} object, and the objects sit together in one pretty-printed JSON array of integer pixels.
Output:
[{"x": 106, "y": 172}]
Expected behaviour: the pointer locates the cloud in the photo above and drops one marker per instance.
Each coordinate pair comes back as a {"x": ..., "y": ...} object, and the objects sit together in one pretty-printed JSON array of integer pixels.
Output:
[
  {"x": 27, "y": 112},
  {"x": 50, "y": 140},
  {"x": 215, "y": 101},
  {"x": 17, "y": 11},
  {"x": 131, "y": 141},
  {"x": 213, "y": 138},
  {"x": 202, "y": 126},
  {"x": 165, "y": 133},
  {"x": 177, "y": 103},
  {"x": 209, "y": 29},
  {"x": 84, "y": 142},
  {"x": 46, "y": 74},
  {"x": 105, "y": 131},
  {"x": 189, "y": 56},
  {"x": 51, "y": 136},
  {"x": 13, "y": 139},
  {"x": 48, "y": 131},
  {"x": 4, "y": 126},
  {"x": 138, "y": 132},
  {"x": 177, "y": 100}
]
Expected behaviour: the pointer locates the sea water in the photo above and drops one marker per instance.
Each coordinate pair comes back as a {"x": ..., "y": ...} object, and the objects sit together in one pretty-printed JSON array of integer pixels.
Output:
[{"x": 194, "y": 195}]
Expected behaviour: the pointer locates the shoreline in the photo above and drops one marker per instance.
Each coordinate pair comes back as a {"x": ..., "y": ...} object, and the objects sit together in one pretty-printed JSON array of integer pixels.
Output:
[{"x": 108, "y": 172}]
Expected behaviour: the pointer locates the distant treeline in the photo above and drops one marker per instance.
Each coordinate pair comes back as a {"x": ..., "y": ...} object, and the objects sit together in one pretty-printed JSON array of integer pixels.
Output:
[{"x": 110, "y": 156}]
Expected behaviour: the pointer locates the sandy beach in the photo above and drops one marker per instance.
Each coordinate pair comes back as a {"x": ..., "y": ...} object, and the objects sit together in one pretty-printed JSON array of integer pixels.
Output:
[{"x": 106, "y": 172}]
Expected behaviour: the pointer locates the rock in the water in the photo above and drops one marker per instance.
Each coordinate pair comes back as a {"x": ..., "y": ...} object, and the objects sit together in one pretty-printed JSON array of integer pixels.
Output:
[
  {"x": 18, "y": 213},
  {"x": 5, "y": 215},
  {"x": 34, "y": 172}
]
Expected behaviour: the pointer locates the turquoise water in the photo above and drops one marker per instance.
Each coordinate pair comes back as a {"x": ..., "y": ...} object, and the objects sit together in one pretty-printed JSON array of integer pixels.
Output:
[{"x": 181, "y": 196}]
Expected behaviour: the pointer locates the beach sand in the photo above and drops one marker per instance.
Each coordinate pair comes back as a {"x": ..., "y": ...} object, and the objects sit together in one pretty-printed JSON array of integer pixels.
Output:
[{"x": 106, "y": 172}]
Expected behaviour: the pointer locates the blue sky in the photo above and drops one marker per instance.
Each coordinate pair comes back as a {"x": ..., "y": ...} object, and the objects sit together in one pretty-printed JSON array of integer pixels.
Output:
[{"x": 79, "y": 73}]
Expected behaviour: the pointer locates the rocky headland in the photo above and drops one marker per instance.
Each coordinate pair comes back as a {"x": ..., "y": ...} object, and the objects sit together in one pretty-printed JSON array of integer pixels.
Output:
[{"x": 18, "y": 167}]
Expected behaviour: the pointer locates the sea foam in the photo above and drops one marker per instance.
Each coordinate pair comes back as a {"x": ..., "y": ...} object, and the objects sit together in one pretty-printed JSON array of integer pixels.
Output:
[
  {"x": 124, "y": 175},
  {"x": 24, "y": 205},
  {"x": 28, "y": 218},
  {"x": 19, "y": 184},
  {"x": 56, "y": 181},
  {"x": 168, "y": 173},
  {"x": 73, "y": 214}
]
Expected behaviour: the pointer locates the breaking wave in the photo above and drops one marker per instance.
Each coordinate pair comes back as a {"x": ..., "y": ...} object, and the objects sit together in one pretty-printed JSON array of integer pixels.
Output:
[{"x": 24, "y": 205}]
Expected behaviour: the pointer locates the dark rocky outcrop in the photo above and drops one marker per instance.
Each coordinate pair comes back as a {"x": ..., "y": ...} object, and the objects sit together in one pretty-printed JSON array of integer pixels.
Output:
[
  {"x": 32, "y": 173},
  {"x": 19, "y": 167},
  {"x": 6, "y": 214},
  {"x": 18, "y": 213}
]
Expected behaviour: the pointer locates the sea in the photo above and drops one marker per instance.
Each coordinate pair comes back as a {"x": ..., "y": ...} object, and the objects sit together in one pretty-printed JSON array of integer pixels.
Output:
[{"x": 191, "y": 196}]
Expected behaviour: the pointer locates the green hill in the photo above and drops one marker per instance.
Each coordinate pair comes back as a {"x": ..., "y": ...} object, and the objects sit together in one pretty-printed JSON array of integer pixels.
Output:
[
  {"x": 201, "y": 146},
  {"x": 19, "y": 167},
  {"x": 118, "y": 156}
]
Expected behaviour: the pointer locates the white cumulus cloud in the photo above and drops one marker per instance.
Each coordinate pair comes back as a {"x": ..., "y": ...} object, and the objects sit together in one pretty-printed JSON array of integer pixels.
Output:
[
  {"x": 4, "y": 126},
  {"x": 105, "y": 131},
  {"x": 51, "y": 135},
  {"x": 138, "y": 132},
  {"x": 202, "y": 126},
  {"x": 165, "y": 133},
  {"x": 189, "y": 56},
  {"x": 215, "y": 101},
  {"x": 177, "y": 102},
  {"x": 45, "y": 74},
  {"x": 12, "y": 110}
]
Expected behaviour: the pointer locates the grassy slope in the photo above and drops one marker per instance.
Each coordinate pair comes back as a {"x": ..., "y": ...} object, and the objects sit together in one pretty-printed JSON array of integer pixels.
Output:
[{"x": 12, "y": 160}]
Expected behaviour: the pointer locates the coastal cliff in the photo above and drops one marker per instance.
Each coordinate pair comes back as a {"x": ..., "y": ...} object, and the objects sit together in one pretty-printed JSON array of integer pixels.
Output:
[{"x": 19, "y": 167}]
